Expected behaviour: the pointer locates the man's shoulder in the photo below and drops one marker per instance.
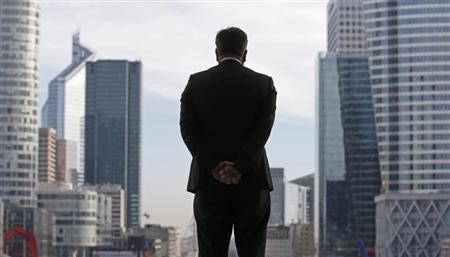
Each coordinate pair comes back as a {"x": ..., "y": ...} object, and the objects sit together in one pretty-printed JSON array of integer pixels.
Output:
[{"x": 213, "y": 70}]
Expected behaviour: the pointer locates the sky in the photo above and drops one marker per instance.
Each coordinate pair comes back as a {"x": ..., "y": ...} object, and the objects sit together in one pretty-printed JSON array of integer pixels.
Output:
[{"x": 176, "y": 38}]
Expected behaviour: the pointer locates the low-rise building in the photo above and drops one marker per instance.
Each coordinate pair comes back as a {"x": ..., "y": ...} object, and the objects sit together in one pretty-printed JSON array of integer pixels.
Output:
[
  {"x": 411, "y": 224},
  {"x": 82, "y": 217},
  {"x": 167, "y": 235}
]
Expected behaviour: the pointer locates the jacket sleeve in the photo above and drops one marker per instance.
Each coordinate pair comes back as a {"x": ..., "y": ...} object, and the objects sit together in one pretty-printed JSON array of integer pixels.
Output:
[
  {"x": 188, "y": 121},
  {"x": 261, "y": 132}
]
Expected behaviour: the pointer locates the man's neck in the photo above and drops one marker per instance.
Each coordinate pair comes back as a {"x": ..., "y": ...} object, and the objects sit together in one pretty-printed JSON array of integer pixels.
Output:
[{"x": 231, "y": 58}]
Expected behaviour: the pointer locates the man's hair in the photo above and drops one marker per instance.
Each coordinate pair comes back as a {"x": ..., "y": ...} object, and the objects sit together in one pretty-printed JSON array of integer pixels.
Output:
[{"x": 232, "y": 41}]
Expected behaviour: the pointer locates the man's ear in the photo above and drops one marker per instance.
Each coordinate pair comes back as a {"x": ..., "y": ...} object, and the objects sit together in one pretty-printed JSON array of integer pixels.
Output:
[
  {"x": 217, "y": 55},
  {"x": 244, "y": 57}
]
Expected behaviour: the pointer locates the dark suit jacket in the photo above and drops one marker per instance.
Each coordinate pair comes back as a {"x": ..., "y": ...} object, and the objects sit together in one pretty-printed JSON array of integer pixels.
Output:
[{"x": 227, "y": 113}]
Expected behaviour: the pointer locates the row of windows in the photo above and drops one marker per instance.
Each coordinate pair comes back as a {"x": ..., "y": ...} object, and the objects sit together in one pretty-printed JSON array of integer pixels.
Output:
[
  {"x": 8, "y": 192},
  {"x": 418, "y": 186},
  {"x": 421, "y": 166},
  {"x": 419, "y": 117},
  {"x": 409, "y": 40},
  {"x": 411, "y": 157},
  {"x": 405, "y": 31},
  {"x": 404, "y": 12},
  {"x": 406, "y": 50},
  {"x": 76, "y": 222},
  {"x": 416, "y": 127},
  {"x": 421, "y": 137},
  {"x": 66, "y": 197},
  {"x": 414, "y": 147},
  {"x": 397, "y": 70},
  {"x": 408, "y": 21},
  {"x": 411, "y": 98},
  {"x": 395, "y": 3},
  {"x": 16, "y": 184},
  {"x": 408, "y": 88},
  {"x": 402, "y": 79}
]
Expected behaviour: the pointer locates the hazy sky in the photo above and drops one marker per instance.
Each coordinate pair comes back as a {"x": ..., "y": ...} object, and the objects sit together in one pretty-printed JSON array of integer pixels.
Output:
[{"x": 174, "y": 39}]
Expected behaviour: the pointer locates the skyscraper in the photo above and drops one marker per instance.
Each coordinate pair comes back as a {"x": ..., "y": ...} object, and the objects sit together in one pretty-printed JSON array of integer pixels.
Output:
[
  {"x": 19, "y": 26},
  {"x": 331, "y": 220},
  {"x": 64, "y": 109},
  {"x": 410, "y": 75},
  {"x": 409, "y": 46},
  {"x": 113, "y": 116},
  {"x": 47, "y": 155}
]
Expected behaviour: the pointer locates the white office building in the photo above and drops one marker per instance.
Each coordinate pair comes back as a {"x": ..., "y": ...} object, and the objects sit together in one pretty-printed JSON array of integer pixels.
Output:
[
  {"x": 117, "y": 195},
  {"x": 65, "y": 106},
  {"x": 82, "y": 217},
  {"x": 297, "y": 204},
  {"x": 19, "y": 26}
]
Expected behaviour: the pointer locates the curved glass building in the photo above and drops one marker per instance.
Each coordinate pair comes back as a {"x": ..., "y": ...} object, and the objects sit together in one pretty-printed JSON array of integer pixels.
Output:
[
  {"x": 19, "y": 38},
  {"x": 409, "y": 44}
]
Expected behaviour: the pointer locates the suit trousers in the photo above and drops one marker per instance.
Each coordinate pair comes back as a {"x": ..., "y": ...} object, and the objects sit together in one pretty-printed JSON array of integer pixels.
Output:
[{"x": 218, "y": 212}]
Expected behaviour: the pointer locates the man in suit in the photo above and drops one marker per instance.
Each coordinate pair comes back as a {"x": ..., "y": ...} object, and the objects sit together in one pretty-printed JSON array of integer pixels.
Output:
[{"x": 227, "y": 113}]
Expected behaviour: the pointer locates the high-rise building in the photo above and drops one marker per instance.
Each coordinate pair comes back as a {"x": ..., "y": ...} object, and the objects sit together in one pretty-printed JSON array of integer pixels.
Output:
[
  {"x": 346, "y": 27},
  {"x": 409, "y": 50},
  {"x": 358, "y": 167},
  {"x": 47, "y": 155},
  {"x": 344, "y": 79},
  {"x": 66, "y": 161},
  {"x": 332, "y": 230},
  {"x": 277, "y": 197},
  {"x": 64, "y": 109},
  {"x": 19, "y": 26},
  {"x": 113, "y": 116}
]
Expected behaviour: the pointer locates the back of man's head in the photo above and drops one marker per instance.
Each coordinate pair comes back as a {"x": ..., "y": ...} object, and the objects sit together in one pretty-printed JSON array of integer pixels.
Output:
[{"x": 231, "y": 41}]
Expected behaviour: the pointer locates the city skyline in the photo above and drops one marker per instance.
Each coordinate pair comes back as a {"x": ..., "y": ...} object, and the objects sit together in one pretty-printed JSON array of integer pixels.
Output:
[{"x": 163, "y": 84}]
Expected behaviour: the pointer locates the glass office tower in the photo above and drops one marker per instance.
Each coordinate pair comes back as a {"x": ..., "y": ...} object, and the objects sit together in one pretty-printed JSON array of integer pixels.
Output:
[
  {"x": 19, "y": 39},
  {"x": 348, "y": 173},
  {"x": 112, "y": 130},
  {"x": 64, "y": 108}
]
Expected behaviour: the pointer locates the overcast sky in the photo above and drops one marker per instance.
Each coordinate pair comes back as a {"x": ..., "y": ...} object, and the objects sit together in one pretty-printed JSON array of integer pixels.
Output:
[{"x": 175, "y": 39}]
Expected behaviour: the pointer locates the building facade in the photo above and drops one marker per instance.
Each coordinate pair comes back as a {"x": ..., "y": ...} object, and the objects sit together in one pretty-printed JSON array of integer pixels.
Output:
[
  {"x": 409, "y": 51},
  {"x": 331, "y": 220},
  {"x": 412, "y": 224},
  {"x": 117, "y": 195},
  {"x": 297, "y": 205},
  {"x": 346, "y": 32},
  {"x": 47, "y": 155},
  {"x": 167, "y": 235},
  {"x": 279, "y": 241},
  {"x": 64, "y": 109},
  {"x": 82, "y": 217},
  {"x": 113, "y": 117},
  {"x": 277, "y": 197},
  {"x": 33, "y": 220},
  {"x": 307, "y": 181},
  {"x": 18, "y": 101},
  {"x": 66, "y": 161}
]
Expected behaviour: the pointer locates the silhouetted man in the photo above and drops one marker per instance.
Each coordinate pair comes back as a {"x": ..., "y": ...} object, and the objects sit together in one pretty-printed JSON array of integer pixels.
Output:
[{"x": 227, "y": 113}]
